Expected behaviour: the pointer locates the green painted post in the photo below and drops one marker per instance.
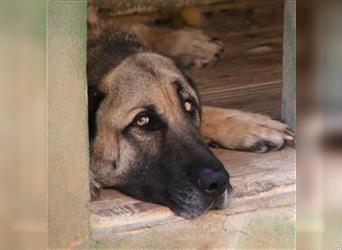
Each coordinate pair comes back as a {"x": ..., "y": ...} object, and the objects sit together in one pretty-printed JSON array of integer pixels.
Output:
[
  {"x": 68, "y": 157},
  {"x": 289, "y": 65}
]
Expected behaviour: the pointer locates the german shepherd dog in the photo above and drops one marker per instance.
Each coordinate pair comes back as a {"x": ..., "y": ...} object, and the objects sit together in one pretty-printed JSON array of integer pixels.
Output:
[{"x": 148, "y": 129}]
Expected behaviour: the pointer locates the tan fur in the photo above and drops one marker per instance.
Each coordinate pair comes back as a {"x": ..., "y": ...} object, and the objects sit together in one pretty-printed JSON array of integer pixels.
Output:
[
  {"x": 189, "y": 45},
  {"x": 236, "y": 129},
  {"x": 192, "y": 47},
  {"x": 150, "y": 76}
]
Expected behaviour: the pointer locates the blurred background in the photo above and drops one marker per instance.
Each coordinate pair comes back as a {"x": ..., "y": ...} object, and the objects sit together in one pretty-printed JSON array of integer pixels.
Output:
[
  {"x": 23, "y": 133},
  {"x": 319, "y": 124},
  {"x": 23, "y": 127}
]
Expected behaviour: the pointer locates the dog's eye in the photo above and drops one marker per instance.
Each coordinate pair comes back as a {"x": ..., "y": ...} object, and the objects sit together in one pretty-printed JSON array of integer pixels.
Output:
[
  {"x": 142, "y": 120},
  {"x": 189, "y": 106},
  {"x": 148, "y": 120}
]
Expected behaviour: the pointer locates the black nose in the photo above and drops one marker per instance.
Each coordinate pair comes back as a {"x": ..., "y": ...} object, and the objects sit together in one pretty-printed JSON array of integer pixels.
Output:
[{"x": 212, "y": 181}]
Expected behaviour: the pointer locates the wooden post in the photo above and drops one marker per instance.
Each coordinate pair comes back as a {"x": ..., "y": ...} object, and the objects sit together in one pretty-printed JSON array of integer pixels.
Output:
[
  {"x": 289, "y": 65},
  {"x": 68, "y": 157}
]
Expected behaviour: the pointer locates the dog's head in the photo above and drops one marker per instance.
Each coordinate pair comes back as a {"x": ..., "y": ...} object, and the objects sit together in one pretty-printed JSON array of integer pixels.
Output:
[{"x": 147, "y": 142}]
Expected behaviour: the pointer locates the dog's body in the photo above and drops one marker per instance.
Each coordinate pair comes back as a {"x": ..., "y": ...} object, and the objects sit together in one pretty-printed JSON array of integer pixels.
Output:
[{"x": 148, "y": 129}]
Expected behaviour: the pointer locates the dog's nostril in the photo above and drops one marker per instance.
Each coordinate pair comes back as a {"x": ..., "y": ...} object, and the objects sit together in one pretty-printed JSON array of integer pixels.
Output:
[
  {"x": 212, "y": 182},
  {"x": 212, "y": 188}
]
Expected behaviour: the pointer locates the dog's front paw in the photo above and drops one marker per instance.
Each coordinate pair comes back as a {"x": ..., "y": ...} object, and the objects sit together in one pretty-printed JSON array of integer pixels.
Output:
[
  {"x": 195, "y": 49},
  {"x": 234, "y": 129},
  {"x": 264, "y": 134}
]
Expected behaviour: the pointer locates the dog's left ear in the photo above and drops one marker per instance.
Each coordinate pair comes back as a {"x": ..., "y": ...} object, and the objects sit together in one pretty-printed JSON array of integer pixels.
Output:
[{"x": 95, "y": 97}]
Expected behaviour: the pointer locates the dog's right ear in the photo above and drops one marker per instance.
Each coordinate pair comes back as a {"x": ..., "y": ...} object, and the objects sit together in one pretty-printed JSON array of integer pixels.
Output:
[{"x": 95, "y": 97}]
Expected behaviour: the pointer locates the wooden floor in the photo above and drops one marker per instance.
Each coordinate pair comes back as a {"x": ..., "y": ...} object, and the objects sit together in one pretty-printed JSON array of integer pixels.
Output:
[
  {"x": 262, "y": 213},
  {"x": 249, "y": 77}
]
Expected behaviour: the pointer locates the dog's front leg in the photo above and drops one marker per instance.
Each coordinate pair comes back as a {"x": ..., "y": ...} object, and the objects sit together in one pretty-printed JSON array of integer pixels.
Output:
[
  {"x": 192, "y": 48},
  {"x": 241, "y": 130}
]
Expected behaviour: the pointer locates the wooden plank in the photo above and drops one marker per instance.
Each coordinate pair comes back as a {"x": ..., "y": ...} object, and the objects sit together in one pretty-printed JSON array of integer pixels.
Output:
[
  {"x": 249, "y": 73},
  {"x": 126, "y": 8},
  {"x": 260, "y": 181}
]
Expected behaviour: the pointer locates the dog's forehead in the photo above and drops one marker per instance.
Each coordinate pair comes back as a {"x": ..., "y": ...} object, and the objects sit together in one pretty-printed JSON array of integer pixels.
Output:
[{"x": 142, "y": 73}]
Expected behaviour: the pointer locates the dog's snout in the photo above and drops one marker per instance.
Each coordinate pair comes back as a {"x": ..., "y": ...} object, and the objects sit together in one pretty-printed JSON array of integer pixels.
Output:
[{"x": 212, "y": 181}]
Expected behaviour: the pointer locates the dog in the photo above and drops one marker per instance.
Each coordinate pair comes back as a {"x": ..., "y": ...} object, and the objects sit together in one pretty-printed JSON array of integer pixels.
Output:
[{"x": 149, "y": 133}]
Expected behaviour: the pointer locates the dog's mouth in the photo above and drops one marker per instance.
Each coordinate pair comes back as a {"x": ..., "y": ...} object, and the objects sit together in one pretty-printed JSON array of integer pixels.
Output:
[
  {"x": 190, "y": 206},
  {"x": 186, "y": 200}
]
